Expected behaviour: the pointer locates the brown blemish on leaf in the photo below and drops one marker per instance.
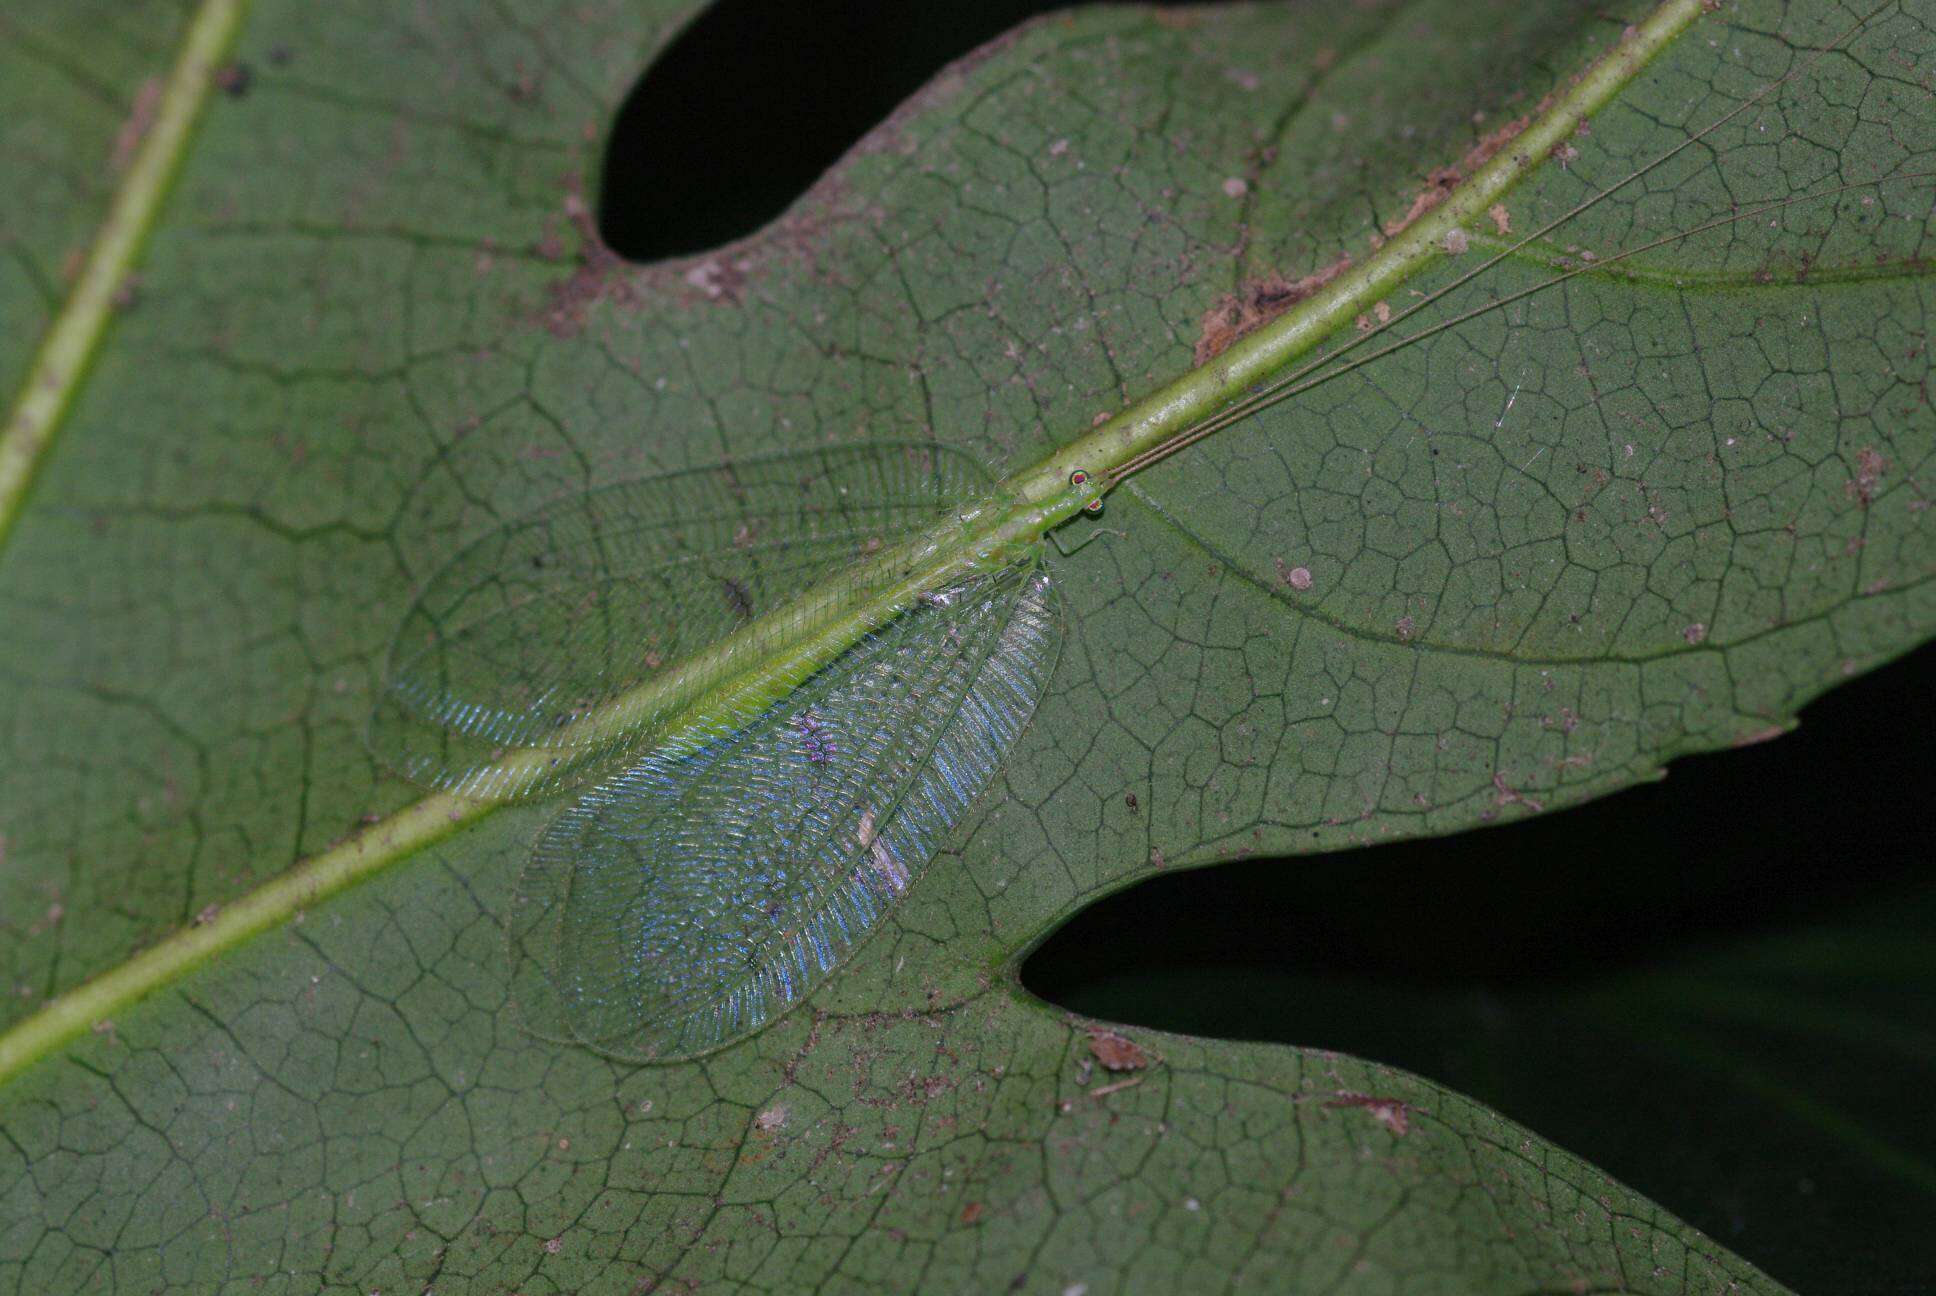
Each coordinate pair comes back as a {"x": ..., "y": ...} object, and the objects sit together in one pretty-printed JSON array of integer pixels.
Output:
[
  {"x": 971, "y": 1213},
  {"x": 234, "y": 79},
  {"x": 719, "y": 279},
  {"x": 134, "y": 128},
  {"x": 1116, "y": 1052},
  {"x": 1298, "y": 578},
  {"x": 1389, "y": 1112},
  {"x": 1870, "y": 467},
  {"x": 1768, "y": 733},
  {"x": 1501, "y": 218},
  {"x": 600, "y": 275},
  {"x": 1256, "y": 304},
  {"x": 1441, "y": 181},
  {"x": 1505, "y": 795}
]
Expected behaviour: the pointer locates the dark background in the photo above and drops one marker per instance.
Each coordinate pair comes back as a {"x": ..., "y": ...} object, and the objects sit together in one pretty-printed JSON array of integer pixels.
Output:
[{"x": 1719, "y": 988}]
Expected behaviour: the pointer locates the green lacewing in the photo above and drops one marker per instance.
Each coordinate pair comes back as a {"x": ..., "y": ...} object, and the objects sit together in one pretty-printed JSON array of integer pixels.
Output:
[{"x": 688, "y": 896}]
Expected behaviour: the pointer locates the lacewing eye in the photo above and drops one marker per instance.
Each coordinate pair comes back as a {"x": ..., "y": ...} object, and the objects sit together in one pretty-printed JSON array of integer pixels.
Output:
[{"x": 1080, "y": 477}]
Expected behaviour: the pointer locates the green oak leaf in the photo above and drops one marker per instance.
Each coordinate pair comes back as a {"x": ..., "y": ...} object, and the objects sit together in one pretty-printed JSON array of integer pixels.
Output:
[{"x": 1521, "y": 564}]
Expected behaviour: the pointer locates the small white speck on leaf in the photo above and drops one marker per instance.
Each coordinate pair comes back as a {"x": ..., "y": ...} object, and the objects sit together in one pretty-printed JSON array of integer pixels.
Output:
[
  {"x": 1235, "y": 187},
  {"x": 1455, "y": 242}
]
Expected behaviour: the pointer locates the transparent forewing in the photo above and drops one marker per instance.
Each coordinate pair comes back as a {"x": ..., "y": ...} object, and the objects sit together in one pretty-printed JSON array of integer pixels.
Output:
[
  {"x": 551, "y": 617},
  {"x": 684, "y": 903}
]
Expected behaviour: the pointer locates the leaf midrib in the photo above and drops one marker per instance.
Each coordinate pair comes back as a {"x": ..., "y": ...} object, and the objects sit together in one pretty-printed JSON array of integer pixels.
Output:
[{"x": 59, "y": 368}]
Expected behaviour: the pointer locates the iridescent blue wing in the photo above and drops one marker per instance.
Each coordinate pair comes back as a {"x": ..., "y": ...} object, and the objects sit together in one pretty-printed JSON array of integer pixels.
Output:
[
  {"x": 567, "y": 608},
  {"x": 684, "y": 903}
]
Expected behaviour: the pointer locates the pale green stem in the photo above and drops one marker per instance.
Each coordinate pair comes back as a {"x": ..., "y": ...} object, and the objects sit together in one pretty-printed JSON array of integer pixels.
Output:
[
  {"x": 55, "y": 377},
  {"x": 812, "y": 630}
]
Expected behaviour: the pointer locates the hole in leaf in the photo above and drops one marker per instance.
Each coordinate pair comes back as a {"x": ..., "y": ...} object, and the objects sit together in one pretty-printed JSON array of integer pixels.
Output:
[
  {"x": 1720, "y": 988},
  {"x": 757, "y": 98}
]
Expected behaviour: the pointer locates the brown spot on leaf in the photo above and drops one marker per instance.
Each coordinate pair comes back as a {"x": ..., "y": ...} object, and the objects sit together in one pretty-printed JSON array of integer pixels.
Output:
[
  {"x": 1870, "y": 468},
  {"x": 1501, "y": 218},
  {"x": 1389, "y": 1112},
  {"x": 971, "y": 1212},
  {"x": 147, "y": 101},
  {"x": 1298, "y": 578},
  {"x": 718, "y": 279},
  {"x": 1441, "y": 181},
  {"x": 1117, "y": 1052},
  {"x": 1766, "y": 733},
  {"x": 1505, "y": 795},
  {"x": 1256, "y": 304},
  {"x": 233, "y": 79},
  {"x": 600, "y": 275}
]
